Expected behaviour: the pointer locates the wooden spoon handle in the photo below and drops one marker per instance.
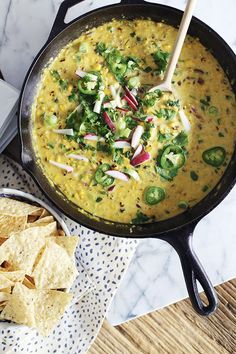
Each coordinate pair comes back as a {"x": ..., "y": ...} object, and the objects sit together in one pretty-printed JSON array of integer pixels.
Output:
[{"x": 183, "y": 29}]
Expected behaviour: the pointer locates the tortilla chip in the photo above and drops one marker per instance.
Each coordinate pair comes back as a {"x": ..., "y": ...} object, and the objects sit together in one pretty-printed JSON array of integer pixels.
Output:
[
  {"x": 2, "y": 305},
  {"x": 5, "y": 265},
  {"x": 45, "y": 220},
  {"x": 14, "y": 276},
  {"x": 2, "y": 240},
  {"x": 49, "y": 307},
  {"x": 44, "y": 213},
  {"x": 61, "y": 232},
  {"x": 4, "y": 297},
  {"x": 22, "y": 248},
  {"x": 29, "y": 282},
  {"x": 20, "y": 306},
  {"x": 9, "y": 224},
  {"x": 5, "y": 282},
  {"x": 69, "y": 243},
  {"x": 15, "y": 207},
  {"x": 6, "y": 290},
  {"x": 31, "y": 219},
  {"x": 55, "y": 269}
]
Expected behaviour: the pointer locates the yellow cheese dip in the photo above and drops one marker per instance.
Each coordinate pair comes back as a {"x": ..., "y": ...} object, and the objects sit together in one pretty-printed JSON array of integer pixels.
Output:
[{"x": 205, "y": 96}]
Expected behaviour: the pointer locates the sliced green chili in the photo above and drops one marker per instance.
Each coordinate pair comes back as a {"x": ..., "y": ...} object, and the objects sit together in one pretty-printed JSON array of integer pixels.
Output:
[
  {"x": 154, "y": 195},
  {"x": 194, "y": 175},
  {"x": 183, "y": 204},
  {"x": 214, "y": 156},
  {"x": 100, "y": 176},
  {"x": 172, "y": 157}
]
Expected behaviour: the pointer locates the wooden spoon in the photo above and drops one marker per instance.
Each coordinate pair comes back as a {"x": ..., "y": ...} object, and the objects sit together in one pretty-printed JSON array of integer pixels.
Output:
[{"x": 166, "y": 84}]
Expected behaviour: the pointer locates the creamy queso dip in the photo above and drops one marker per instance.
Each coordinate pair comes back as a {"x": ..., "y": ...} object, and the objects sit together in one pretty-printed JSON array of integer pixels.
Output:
[{"x": 115, "y": 149}]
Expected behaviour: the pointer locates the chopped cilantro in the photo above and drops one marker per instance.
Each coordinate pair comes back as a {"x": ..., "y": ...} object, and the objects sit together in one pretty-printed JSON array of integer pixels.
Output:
[
  {"x": 165, "y": 113},
  {"x": 63, "y": 84},
  {"x": 55, "y": 74},
  {"x": 166, "y": 174},
  {"x": 161, "y": 60},
  {"x": 51, "y": 145},
  {"x": 73, "y": 96},
  {"x": 205, "y": 188},
  {"x": 194, "y": 175},
  {"x": 172, "y": 103},
  {"x": 98, "y": 200},
  {"x": 117, "y": 157},
  {"x": 140, "y": 218},
  {"x": 150, "y": 98},
  {"x": 163, "y": 137},
  {"x": 181, "y": 139},
  {"x": 148, "y": 69},
  {"x": 205, "y": 102}
]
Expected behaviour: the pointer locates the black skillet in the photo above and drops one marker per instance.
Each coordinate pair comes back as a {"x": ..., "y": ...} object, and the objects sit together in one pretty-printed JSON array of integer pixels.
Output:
[{"x": 178, "y": 230}]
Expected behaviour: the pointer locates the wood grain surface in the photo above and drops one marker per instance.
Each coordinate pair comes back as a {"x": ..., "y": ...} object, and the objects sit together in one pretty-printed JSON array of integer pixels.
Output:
[{"x": 176, "y": 329}]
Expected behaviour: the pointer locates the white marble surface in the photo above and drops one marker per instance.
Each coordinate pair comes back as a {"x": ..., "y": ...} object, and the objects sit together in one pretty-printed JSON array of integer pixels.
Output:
[{"x": 154, "y": 278}]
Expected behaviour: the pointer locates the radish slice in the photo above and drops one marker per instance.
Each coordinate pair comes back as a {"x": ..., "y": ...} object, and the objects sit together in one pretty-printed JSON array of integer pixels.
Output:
[
  {"x": 110, "y": 104},
  {"x": 110, "y": 189},
  {"x": 149, "y": 119},
  {"x": 121, "y": 144},
  {"x": 138, "y": 151},
  {"x": 131, "y": 96},
  {"x": 64, "y": 131},
  {"x": 134, "y": 91},
  {"x": 138, "y": 132},
  {"x": 122, "y": 109},
  {"x": 115, "y": 91},
  {"x": 82, "y": 74},
  {"x": 185, "y": 121},
  {"x": 138, "y": 160},
  {"x": 133, "y": 174},
  {"x": 93, "y": 137},
  {"x": 98, "y": 104},
  {"x": 117, "y": 175},
  {"x": 109, "y": 121},
  {"x": 130, "y": 103},
  {"x": 78, "y": 157},
  {"x": 67, "y": 168}
]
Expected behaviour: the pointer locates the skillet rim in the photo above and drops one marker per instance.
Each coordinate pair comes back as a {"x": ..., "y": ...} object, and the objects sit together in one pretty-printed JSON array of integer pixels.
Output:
[{"x": 113, "y": 228}]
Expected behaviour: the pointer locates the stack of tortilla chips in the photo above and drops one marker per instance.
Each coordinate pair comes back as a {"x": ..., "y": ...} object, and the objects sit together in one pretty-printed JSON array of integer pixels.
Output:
[{"x": 37, "y": 266}]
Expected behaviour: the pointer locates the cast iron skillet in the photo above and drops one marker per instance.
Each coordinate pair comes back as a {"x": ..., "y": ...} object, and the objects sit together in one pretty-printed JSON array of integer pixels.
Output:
[{"x": 178, "y": 230}]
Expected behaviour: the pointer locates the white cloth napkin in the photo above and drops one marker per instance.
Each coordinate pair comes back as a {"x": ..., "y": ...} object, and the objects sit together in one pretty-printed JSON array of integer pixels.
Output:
[
  {"x": 102, "y": 262},
  {"x": 8, "y": 106}
]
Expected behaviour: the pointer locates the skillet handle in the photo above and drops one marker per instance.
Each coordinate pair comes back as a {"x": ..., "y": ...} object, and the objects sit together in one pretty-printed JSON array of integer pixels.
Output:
[
  {"x": 194, "y": 272},
  {"x": 59, "y": 22}
]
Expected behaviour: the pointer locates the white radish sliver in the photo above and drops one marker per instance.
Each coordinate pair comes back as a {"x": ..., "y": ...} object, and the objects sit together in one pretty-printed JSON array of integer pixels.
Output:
[
  {"x": 138, "y": 151},
  {"x": 98, "y": 103},
  {"x": 138, "y": 132},
  {"x": 64, "y": 131},
  {"x": 185, "y": 121},
  {"x": 121, "y": 144},
  {"x": 78, "y": 157},
  {"x": 63, "y": 166},
  {"x": 117, "y": 175},
  {"x": 82, "y": 74}
]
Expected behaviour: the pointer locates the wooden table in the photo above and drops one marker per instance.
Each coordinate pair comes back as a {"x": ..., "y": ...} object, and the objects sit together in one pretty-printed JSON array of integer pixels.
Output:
[{"x": 175, "y": 330}]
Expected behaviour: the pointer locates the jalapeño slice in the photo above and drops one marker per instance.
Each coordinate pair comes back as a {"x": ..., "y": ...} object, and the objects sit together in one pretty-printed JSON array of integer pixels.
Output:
[
  {"x": 100, "y": 176},
  {"x": 154, "y": 195},
  {"x": 214, "y": 156},
  {"x": 172, "y": 157}
]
